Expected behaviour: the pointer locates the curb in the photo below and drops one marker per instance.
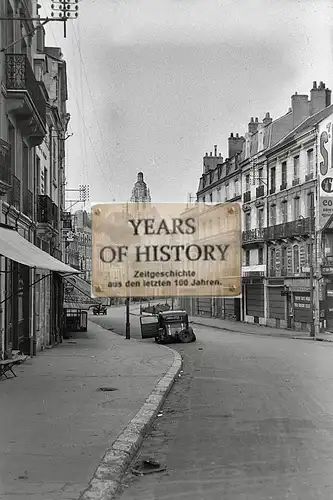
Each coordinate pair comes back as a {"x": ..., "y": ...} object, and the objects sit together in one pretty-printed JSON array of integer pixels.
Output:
[
  {"x": 260, "y": 334},
  {"x": 108, "y": 475}
]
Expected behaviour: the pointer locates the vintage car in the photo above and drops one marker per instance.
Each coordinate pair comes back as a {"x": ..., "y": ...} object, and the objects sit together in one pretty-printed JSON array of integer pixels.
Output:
[
  {"x": 167, "y": 326},
  {"x": 99, "y": 309}
]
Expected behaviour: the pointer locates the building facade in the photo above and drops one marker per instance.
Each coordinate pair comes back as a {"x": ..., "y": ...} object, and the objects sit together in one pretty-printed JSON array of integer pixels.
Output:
[
  {"x": 272, "y": 170},
  {"x": 33, "y": 124}
]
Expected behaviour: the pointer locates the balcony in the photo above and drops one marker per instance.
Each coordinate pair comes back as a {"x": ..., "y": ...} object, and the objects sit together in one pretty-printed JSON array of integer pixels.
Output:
[
  {"x": 272, "y": 190},
  {"x": 26, "y": 98},
  {"x": 5, "y": 168},
  {"x": 28, "y": 204},
  {"x": 247, "y": 197},
  {"x": 260, "y": 191},
  {"x": 308, "y": 177},
  {"x": 292, "y": 229},
  {"x": 14, "y": 197},
  {"x": 46, "y": 225},
  {"x": 283, "y": 186},
  {"x": 254, "y": 235},
  {"x": 295, "y": 182}
]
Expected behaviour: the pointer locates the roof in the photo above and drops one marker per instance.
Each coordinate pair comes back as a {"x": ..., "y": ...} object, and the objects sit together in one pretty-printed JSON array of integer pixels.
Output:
[
  {"x": 307, "y": 124},
  {"x": 171, "y": 313}
]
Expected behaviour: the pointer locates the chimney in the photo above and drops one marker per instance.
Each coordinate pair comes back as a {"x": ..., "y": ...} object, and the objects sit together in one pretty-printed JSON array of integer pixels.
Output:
[
  {"x": 300, "y": 108},
  {"x": 235, "y": 145},
  {"x": 267, "y": 120},
  {"x": 215, "y": 150},
  {"x": 320, "y": 97},
  {"x": 253, "y": 125}
]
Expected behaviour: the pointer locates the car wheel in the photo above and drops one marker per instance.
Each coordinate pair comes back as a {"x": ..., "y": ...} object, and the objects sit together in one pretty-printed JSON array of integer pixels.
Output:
[{"x": 186, "y": 336}]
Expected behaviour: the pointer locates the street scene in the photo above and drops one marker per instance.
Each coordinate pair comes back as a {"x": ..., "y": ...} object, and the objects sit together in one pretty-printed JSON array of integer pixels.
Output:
[{"x": 166, "y": 250}]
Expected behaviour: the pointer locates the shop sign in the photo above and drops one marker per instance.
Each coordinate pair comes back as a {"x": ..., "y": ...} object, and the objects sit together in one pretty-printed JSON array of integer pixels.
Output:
[
  {"x": 302, "y": 301},
  {"x": 325, "y": 171}
]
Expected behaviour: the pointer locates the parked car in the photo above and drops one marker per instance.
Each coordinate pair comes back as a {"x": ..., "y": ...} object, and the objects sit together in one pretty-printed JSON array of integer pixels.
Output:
[
  {"x": 167, "y": 326},
  {"x": 99, "y": 309}
]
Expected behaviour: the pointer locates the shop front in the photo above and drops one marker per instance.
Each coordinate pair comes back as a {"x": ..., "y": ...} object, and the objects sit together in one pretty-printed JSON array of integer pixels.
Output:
[
  {"x": 19, "y": 262},
  {"x": 253, "y": 299}
]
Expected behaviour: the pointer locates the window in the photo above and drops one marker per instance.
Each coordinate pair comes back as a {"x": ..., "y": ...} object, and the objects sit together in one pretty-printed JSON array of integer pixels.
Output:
[
  {"x": 296, "y": 167},
  {"x": 8, "y": 32},
  {"x": 204, "y": 199},
  {"x": 296, "y": 208},
  {"x": 308, "y": 253},
  {"x": 273, "y": 184},
  {"x": 272, "y": 261},
  {"x": 283, "y": 261},
  {"x": 296, "y": 259},
  {"x": 284, "y": 211},
  {"x": 260, "y": 218},
  {"x": 310, "y": 161},
  {"x": 260, "y": 175},
  {"x": 247, "y": 257},
  {"x": 247, "y": 221},
  {"x": 310, "y": 205},
  {"x": 284, "y": 173},
  {"x": 247, "y": 182},
  {"x": 260, "y": 256},
  {"x": 11, "y": 140},
  {"x": 236, "y": 187},
  {"x": 219, "y": 195},
  {"x": 227, "y": 192},
  {"x": 273, "y": 215},
  {"x": 211, "y": 197},
  {"x": 46, "y": 190}
]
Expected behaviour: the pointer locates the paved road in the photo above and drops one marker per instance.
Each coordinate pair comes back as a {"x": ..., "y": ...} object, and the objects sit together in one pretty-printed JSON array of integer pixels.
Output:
[{"x": 250, "y": 418}]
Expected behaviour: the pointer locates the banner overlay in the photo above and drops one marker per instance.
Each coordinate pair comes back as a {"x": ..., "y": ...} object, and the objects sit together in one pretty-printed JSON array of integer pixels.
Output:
[{"x": 164, "y": 250}]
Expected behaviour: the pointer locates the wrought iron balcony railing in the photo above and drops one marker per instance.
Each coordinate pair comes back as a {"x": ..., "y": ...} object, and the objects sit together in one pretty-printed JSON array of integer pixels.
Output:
[
  {"x": 20, "y": 77},
  {"x": 15, "y": 193},
  {"x": 44, "y": 209},
  {"x": 253, "y": 235},
  {"x": 289, "y": 229}
]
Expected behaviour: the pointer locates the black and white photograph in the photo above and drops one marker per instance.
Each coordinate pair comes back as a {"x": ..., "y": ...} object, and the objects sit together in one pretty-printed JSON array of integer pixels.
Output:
[{"x": 166, "y": 250}]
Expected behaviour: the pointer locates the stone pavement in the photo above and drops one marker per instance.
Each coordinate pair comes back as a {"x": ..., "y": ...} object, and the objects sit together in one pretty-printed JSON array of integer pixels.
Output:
[
  {"x": 254, "y": 329},
  {"x": 55, "y": 422}
]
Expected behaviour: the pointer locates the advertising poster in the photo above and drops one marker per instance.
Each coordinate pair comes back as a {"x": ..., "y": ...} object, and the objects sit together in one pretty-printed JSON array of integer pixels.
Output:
[
  {"x": 166, "y": 250},
  {"x": 325, "y": 171}
]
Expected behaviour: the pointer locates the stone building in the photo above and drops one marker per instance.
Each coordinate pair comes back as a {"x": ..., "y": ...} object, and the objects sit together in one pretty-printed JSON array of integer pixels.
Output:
[
  {"x": 33, "y": 126},
  {"x": 140, "y": 192},
  {"x": 287, "y": 216}
]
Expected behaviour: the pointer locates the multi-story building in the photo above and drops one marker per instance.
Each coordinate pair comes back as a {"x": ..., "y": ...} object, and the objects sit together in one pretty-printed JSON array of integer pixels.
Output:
[
  {"x": 220, "y": 182},
  {"x": 279, "y": 180},
  {"x": 33, "y": 121},
  {"x": 287, "y": 217}
]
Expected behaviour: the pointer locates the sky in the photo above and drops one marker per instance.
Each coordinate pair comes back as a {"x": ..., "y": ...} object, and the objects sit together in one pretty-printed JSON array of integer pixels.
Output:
[{"x": 154, "y": 84}]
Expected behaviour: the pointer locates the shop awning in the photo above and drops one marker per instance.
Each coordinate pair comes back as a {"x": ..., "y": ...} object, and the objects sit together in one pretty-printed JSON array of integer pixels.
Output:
[{"x": 15, "y": 247}]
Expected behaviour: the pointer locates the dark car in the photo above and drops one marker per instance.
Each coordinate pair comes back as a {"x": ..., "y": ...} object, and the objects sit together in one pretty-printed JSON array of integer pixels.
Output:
[
  {"x": 167, "y": 326},
  {"x": 99, "y": 309}
]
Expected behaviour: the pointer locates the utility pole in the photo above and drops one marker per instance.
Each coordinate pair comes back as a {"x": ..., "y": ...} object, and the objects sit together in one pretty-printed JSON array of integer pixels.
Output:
[
  {"x": 128, "y": 323},
  {"x": 312, "y": 246}
]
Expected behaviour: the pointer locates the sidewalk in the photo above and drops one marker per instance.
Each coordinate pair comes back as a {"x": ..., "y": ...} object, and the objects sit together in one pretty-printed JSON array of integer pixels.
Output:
[
  {"x": 254, "y": 329},
  {"x": 55, "y": 422}
]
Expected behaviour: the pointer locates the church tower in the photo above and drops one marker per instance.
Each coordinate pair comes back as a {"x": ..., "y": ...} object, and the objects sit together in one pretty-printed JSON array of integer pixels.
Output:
[{"x": 140, "y": 191}]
